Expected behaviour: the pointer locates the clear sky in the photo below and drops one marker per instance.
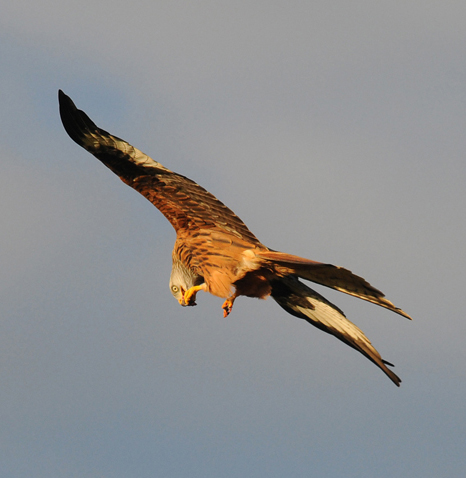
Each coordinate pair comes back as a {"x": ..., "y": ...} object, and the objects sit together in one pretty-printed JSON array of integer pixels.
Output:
[{"x": 336, "y": 131}]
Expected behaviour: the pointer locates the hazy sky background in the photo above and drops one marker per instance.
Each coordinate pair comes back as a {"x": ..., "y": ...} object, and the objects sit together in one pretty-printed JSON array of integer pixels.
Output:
[{"x": 336, "y": 131}]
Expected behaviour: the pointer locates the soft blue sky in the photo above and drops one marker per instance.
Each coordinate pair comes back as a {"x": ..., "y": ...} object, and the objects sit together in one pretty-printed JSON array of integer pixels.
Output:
[{"x": 336, "y": 131}]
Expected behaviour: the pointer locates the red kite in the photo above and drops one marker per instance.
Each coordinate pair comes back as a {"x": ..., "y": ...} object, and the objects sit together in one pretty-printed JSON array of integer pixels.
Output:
[{"x": 216, "y": 252}]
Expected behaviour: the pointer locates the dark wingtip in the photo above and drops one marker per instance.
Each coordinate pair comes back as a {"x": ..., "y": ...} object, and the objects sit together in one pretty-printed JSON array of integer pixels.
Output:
[
  {"x": 65, "y": 103},
  {"x": 67, "y": 115},
  {"x": 83, "y": 131},
  {"x": 63, "y": 99},
  {"x": 76, "y": 123}
]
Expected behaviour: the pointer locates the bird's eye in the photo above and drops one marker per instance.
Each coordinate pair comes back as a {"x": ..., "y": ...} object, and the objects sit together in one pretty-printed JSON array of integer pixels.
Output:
[{"x": 174, "y": 289}]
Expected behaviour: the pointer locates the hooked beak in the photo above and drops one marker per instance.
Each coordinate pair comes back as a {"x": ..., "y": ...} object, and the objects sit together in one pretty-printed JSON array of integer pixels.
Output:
[{"x": 181, "y": 300}]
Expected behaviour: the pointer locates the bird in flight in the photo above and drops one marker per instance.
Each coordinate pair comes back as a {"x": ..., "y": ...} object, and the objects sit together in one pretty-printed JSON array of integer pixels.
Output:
[{"x": 215, "y": 251}]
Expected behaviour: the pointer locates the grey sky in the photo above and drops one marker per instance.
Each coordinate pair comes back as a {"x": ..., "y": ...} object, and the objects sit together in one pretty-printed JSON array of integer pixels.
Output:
[{"x": 335, "y": 130}]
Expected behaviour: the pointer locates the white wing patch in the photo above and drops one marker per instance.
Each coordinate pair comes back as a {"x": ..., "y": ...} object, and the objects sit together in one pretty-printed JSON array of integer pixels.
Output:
[
  {"x": 332, "y": 319},
  {"x": 94, "y": 142}
]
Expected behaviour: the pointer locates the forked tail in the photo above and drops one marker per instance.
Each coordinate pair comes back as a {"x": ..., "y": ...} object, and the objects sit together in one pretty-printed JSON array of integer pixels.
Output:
[{"x": 329, "y": 275}]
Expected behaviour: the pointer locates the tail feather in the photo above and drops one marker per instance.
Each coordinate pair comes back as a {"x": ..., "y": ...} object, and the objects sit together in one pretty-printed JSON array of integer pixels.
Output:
[
  {"x": 329, "y": 275},
  {"x": 301, "y": 301}
]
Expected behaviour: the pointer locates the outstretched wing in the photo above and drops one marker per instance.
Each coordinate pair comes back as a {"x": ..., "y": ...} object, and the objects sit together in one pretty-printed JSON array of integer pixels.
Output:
[
  {"x": 331, "y": 276},
  {"x": 301, "y": 301},
  {"x": 187, "y": 206}
]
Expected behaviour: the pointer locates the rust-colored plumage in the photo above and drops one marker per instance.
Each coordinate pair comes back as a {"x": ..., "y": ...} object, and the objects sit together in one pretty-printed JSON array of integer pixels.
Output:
[{"x": 216, "y": 252}]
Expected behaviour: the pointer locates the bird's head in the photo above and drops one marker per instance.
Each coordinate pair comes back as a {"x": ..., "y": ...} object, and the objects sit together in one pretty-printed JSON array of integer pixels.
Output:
[{"x": 182, "y": 278}]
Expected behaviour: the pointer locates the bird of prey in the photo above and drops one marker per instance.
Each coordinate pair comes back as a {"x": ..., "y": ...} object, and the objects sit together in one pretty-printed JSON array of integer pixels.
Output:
[{"x": 216, "y": 252}]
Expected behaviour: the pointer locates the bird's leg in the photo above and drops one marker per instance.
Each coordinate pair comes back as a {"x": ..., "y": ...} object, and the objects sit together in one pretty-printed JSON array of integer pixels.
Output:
[
  {"x": 190, "y": 294},
  {"x": 228, "y": 305}
]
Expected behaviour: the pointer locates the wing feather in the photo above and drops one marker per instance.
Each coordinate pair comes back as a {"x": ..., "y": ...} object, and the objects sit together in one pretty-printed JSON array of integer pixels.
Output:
[
  {"x": 301, "y": 301},
  {"x": 183, "y": 202},
  {"x": 331, "y": 276}
]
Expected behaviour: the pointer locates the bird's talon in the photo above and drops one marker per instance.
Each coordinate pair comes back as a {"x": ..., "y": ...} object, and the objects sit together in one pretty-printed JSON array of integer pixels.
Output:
[
  {"x": 190, "y": 297},
  {"x": 190, "y": 301},
  {"x": 227, "y": 307}
]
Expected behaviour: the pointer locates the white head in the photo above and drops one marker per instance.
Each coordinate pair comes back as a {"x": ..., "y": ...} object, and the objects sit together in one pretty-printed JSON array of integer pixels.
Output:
[{"x": 181, "y": 279}]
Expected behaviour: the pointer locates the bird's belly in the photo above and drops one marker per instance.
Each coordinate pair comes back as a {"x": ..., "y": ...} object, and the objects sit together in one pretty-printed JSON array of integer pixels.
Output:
[{"x": 254, "y": 284}]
